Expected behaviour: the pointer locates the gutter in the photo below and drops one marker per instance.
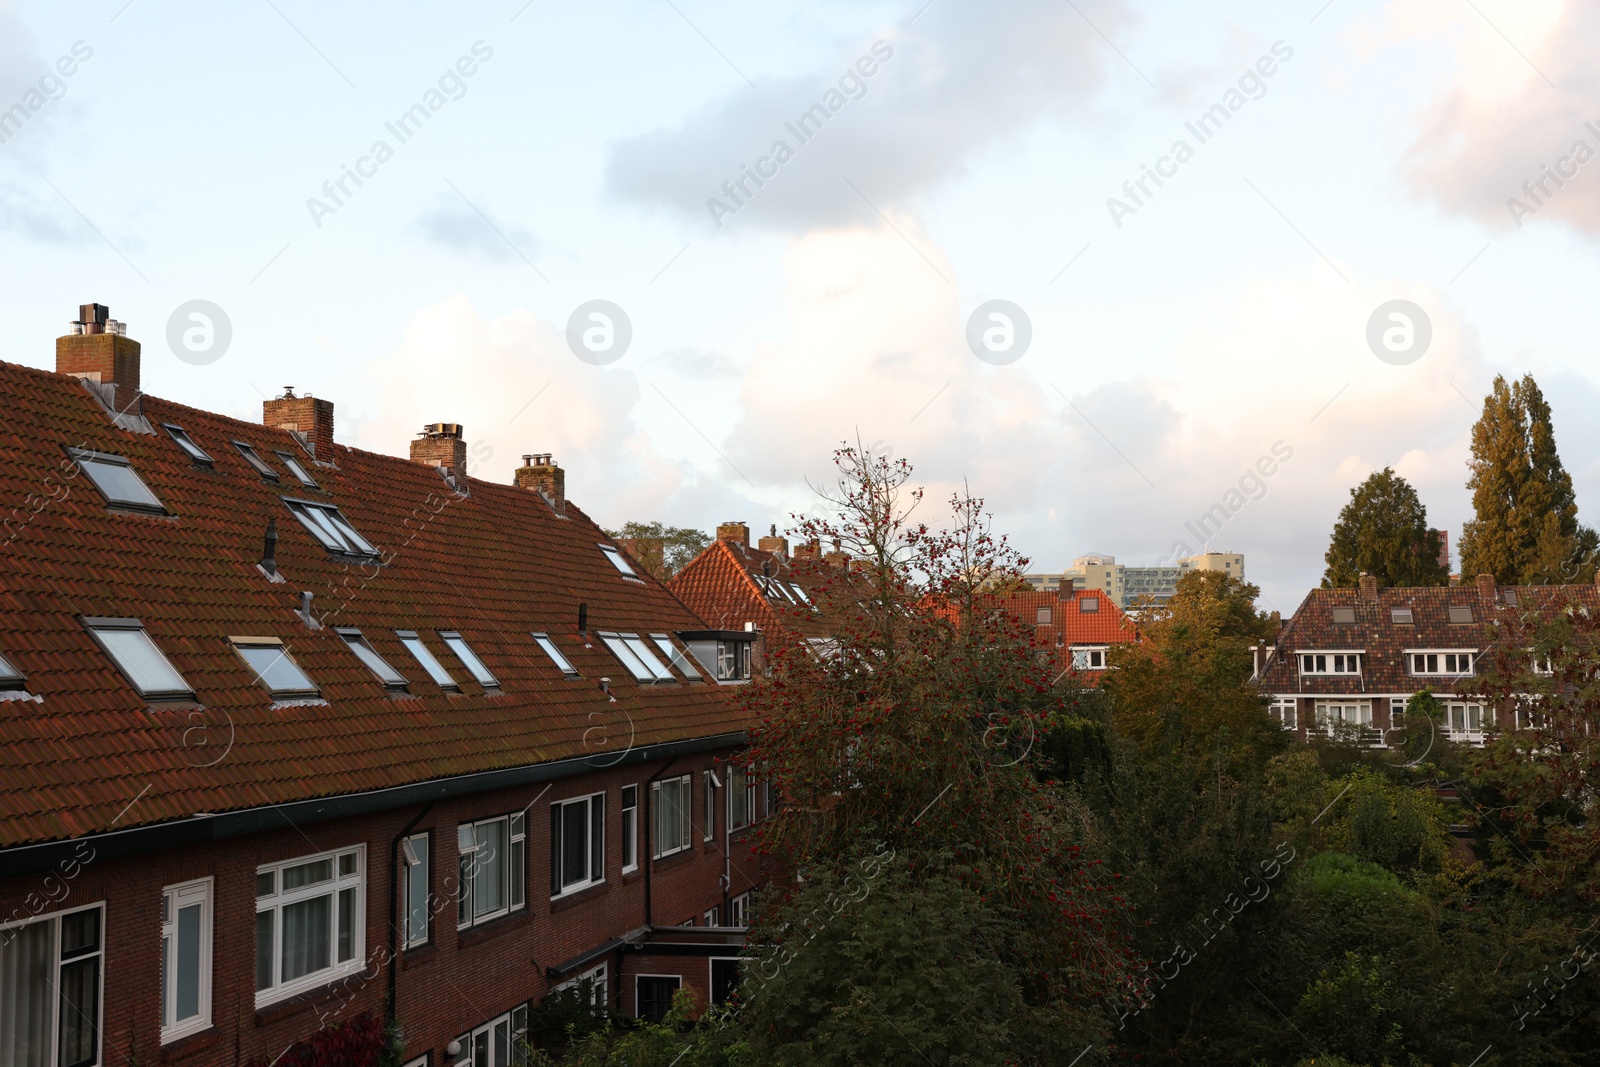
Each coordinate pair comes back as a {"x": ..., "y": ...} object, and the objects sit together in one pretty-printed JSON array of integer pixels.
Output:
[{"x": 199, "y": 829}]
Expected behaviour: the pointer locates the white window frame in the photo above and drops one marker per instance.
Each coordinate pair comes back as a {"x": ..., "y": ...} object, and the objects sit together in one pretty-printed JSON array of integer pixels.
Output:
[
  {"x": 739, "y": 910},
  {"x": 333, "y": 888},
  {"x": 1286, "y": 710},
  {"x": 1327, "y": 720},
  {"x": 513, "y": 1023},
  {"x": 741, "y": 800},
  {"x": 630, "y": 828},
  {"x": 559, "y": 658},
  {"x": 55, "y": 984},
  {"x": 734, "y": 657},
  {"x": 600, "y": 984},
  {"x": 469, "y": 659},
  {"x": 1089, "y": 657},
  {"x": 708, "y": 807},
  {"x": 713, "y": 915},
  {"x": 658, "y": 815},
  {"x": 632, "y": 652},
  {"x": 677, "y": 979},
  {"x": 1438, "y": 660},
  {"x": 97, "y": 626},
  {"x": 594, "y": 841},
  {"x": 513, "y": 888},
  {"x": 174, "y": 899},
  {"x": 1342, "y": 661},
  {"x": 415, "y": 863},
  {"x": 1462, "y": 711}
]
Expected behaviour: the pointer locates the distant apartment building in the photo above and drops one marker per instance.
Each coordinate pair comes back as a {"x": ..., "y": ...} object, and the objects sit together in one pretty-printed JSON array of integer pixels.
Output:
[{"x": 1126, "y": 586}]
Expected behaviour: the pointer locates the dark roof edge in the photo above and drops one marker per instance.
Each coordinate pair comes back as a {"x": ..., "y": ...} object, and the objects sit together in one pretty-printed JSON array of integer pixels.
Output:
[{"x": 30, "y": 859}]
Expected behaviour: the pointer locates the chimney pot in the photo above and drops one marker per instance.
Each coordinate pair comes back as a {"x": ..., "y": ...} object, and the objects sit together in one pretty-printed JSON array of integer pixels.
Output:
[
  {"x": 105, "y": 356},
  {"x": 1486, "y": 586},
  {"x": 440, "y": 444},
  {"x": 1369, "y": 587},
  {"x": 778, "y": 546},
  {"x": 540, "y": 474}
]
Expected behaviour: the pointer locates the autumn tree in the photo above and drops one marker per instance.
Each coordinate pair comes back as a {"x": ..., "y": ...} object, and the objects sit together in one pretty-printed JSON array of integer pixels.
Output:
[
  {"x": 660, "y": 549},
  {"x": 1383, "y": 531},
  {"x": 1525, "y": 530}
]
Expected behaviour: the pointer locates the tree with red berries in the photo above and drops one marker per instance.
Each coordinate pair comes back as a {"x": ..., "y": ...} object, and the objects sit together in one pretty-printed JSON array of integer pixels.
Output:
[{"x": 927, "y": 886}]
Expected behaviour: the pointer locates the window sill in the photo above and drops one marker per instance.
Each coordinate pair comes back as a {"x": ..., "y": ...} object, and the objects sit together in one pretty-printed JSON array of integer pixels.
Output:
[
  {"x": 578, "y": 896},
  {"x": 183, "y": 1047},
  {"x": 290, "y": 1005},
  {"x": 492, "y": 928}
]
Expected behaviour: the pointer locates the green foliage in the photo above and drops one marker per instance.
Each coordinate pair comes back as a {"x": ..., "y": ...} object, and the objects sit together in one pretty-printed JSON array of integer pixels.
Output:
[
  {"x": 1336, "y": 874},
  {"x": 1390, "y": 825},
  {"x": 661, "y": 549},
  {"x": 1353, "y": 1009},
  {"x": 1525, "y": 529},
  {"x": 1073, "y": 747},
  {"x": 1383, "y": 531},
  {"x": 689, "y": 1036}
]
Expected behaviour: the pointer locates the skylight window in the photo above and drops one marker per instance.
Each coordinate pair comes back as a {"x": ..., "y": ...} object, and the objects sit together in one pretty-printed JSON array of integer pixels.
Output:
[
  {"x": 252, "y": 457},
  {"x": 800, "y": 595},
  {"x": 1088, "y": 604},
  {"x": 270, "y": 661},
  {"x": 419, "y": 651},
  {"x": 550, "y": 649},
  {"x": 118, "y": 482},
  {"x": 331, "y": 529},
  {"x": 1344, "y": 616},
  {"x": 618, "y": 560},
  {"x": 185, "y": 442},
  {"x": 1401, "y": 615},
  {"x": 138, "y": 658},
  {"x": 1460, "y": 613},
  {"x": 469, "y": 659},
  {"x": 297, "y": 469},
  {"x": 632, "y": 653},
  {"x": 369, "y": 658},
  {"x": 10, "y": 677},
  {"x": 674, "y": 655}
]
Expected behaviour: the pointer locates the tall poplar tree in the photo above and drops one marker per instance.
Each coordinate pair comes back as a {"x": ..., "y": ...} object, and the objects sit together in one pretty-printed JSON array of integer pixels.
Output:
[
  {"x": 1526, "y": 529},
  {"x": 1383, "y": 531}
]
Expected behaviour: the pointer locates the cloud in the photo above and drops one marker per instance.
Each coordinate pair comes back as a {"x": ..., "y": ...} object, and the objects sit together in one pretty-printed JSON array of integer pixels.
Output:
[
  {"x": 958, "y": 80},
  {"x": 463, "y": 230},
  {"x": 697, "y": 363},
  {"x": 1489, "y": 141}
]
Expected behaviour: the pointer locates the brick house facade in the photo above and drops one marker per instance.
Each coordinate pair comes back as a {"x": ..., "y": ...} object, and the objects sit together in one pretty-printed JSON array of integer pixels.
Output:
[{"x": 291, "y": 731}]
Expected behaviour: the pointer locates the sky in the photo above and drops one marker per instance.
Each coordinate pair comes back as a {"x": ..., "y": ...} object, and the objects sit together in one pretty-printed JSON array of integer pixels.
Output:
[{"x": 1244, "y": 254}]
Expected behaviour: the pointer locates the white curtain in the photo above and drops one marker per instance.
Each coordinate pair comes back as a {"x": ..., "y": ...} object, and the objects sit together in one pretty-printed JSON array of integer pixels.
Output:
[{"x": 26, "y": 960}]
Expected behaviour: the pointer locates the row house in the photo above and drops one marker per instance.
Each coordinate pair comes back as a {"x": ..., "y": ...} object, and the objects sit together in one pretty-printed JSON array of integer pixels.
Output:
[
  {"x": 293, "y": 733},
  {"x": 1075, "y": 629},
  {"x": 1349, "y": 660}
]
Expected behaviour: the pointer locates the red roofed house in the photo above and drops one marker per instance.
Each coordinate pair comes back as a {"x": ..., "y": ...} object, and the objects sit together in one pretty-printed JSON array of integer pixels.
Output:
[
  {"x": 761, "y": 590},
  {"x": 1076, "y": 628},
  {"x": 1350, "y": 659},
  {"x": 292, "y": 732}
]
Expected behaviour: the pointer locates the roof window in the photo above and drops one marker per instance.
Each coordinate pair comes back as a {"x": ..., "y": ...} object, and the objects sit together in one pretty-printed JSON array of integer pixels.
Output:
[
  {"x": 138, "y": 658},
  {"x": 550, "y": 649},
  {"x": 800, "y": 595},
  {"x": 675, "y": 656},
  {"x": 435, "y": 669},
  {"x": 297, "y": 469},
  {"x": 1401, "y": 615},
  {"x": 1460, "y": 613},
  {"x": 252, "y": 457},
  {"x": 331, "y": 529},
  {"x": 185, "y": 442},
  {"x": 618, "y": 560},
  {"x": 469, "y": 659},
  {"x": 117, "y": 481},
  {"x": 1345, "y": 616},
  {"x": 270, "y": 661},
  {"x": 10, "y": 677},
  {"x": 391, "y": 678},
  {"x": 1088, "y": 605},
  {"x": 640, "y": 661}
]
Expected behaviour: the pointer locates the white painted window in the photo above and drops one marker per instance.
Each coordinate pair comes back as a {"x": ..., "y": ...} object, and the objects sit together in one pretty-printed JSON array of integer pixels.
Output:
[
  {"x": 1284, "y": 709},
  {"x": 492, "y": 868},
  {"x": 497, "y": 1043},
  {"x": 709, "y": 783},
  {"x": 309, "y": 926},
  {"x": 1089, "y": 657},
  {"x": 1330, "y": 662},
  {"x": 670, "y": 807},
  {"x": 1457, "y": 662},
  {"x": 50, "y": 989},
  {"x": 577, "y": 843},
  {"x": 1466, "y": 721},
  {"x": 739, "y": 910},
  {"x": 414, "y": 896},
  {"x": 1331, "y": 713},
  {"x": 185, "y": 959},
  {"x": 630, "y": 828}
]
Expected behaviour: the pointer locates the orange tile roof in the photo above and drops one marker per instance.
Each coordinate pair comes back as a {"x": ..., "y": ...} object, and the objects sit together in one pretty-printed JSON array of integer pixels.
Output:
[
  {"x": 721, "y": 586},
  {"x": 1069, "y": 624},
  {"x": 493, "y": 564}
]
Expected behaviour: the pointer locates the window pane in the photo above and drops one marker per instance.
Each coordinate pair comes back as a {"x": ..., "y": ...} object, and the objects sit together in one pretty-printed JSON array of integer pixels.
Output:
[
  {"x": 489, "y": 881},
  {"x": 435, "y": 670},
  {"x": 185, "y": 442},
  {"x": 311, "y": 519},
  {"x": 307, "y": 874},
  {"x": 555, "y": 655},
  {"x": 264, "y": 955},
  {"x": 297, "y": 470},
  {"x": 597, "y": 837},
  {"x": 306, "y": 937},
  {"x": 119, "y": 483},
  {"x": 80, "y": 1010},
  {"x": 469, "y": 659},
  {"x": 417, "y": 892},
  {"x": 342, "y": 524},
  {"x": 347, "y": 925},
  {"x": 517, "y": 870},
  {"x": 276, "y": 670},
  {"x": 187, "y": 964},
  {"x": 266, "y": 883},
  {"x": 637, "y": 646},
  {"x": 626, "y": 657},
  {"x": 674, "y": 656},
  {"x": 373, "y": 662},
  {"x": 26, "y": 972},
  {"x": 574, "y": 841},
  {"x": 618, "y": 560},
  {"x": 140, "y": 659}
]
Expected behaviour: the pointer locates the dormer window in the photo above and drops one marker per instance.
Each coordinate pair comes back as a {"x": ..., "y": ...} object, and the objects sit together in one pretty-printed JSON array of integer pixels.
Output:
[
  {"x": 1089, "y": 658},
  {"x": 1460, "y": 613},
  {"x": 185, "y": 442},
  {"x": 618, "y": 560},
  {"x": 138, "y": 658},
  {"x": 1330, "y": 662},
  {"x": 331, "y": 529},
  {"x": 252, "y": 457},
  {"x": 1441, "y": 663},
  {"x": 733, "y": 661},
  {"x": 273, "y": 668},
  {"x": 296, "y": 468},
  {"x": 117, "y": 481}
]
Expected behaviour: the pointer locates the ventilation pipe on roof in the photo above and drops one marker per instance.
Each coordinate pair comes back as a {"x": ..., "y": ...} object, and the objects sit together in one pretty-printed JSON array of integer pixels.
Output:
[
  {"x": 269, "y": 551},
  {"x": 305, "y": 611},
  {"x": 583, "y": 620}
]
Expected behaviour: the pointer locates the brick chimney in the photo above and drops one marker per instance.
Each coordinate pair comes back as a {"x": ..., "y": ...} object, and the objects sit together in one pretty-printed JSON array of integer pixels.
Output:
[
  {"x": 813, "y": 550},
  {"x": 1369, "y": 587},
  {"x": 773, "y": 543},
  {"x": 440, "y": 445},
  {"x": 1486, "y": 586},
  {"x": 734, "y": 531},
  {"x": 540, "y": 474},
  {"x": 98, "y": 348},
  {"x": 304, "y": 415},
  {"x": 837, "y": 558}
]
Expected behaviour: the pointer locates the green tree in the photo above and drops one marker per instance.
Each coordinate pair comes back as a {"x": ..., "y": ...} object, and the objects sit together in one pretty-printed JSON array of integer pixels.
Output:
[
  {"x": 1526, "y": 528},
  {"x": 661, "y": 549},
  {"x": 1383, "y": 531}
]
